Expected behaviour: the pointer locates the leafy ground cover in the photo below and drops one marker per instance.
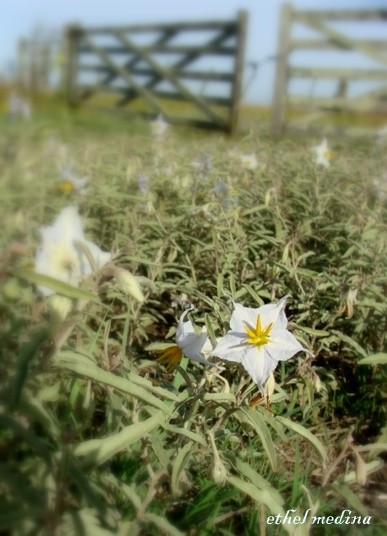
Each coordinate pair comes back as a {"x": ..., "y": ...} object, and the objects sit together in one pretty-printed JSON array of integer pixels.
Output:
[{"x": 99, "y": 438}]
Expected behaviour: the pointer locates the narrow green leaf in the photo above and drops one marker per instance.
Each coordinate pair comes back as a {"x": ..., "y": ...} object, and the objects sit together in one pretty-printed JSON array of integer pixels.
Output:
[
  {"x": 107, "y": 378},
  {"x": 374, "y": 359},
  {"x": 178, "y": 467},
  {"x": 98, "y": 451},
  {"x": 187, "y": 433},
  {"x": 259, "y": 496},
  {"x": 27, "y": 352},
  {"x": 55, "y": 285},
  {"x": 350, "y": 498},
  {"x": 298, "y": 429},
  {"x": 258, "y": 423},
  {"x": 351, "y": 477},
  {"x": 163, "y": 524},
  {"x": 261, "y": 483}
]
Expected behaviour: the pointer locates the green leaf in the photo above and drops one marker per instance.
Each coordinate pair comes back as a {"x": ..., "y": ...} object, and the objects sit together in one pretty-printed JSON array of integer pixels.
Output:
[
  {"x": 98, "y": 451},
  {"x": 163, "y": 524},
  {"x": 350, "y": 498},
  {"x": 298, "y": 429},
  {"x": 54, "y": 284},
  {"x": 258, "y": 495},
  {"x": 374, "y": 359},
  {"x": 65, "y": 360},
  {"x": 261, "y": 483},
  {"x": 26, "y": 355},
  {"x": 178, "y": 467},
  {"x": 258, "y": 423},
  {"x": 351, "y": 477}
]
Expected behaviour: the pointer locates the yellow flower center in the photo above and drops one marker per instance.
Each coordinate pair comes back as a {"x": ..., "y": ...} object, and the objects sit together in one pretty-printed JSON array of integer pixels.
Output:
[
  {"x": 258, "y": 335},
  {"x": 66, "y": 187},
  {"x": 328, "y": 154},
  {"x": 170, "y": 358}
]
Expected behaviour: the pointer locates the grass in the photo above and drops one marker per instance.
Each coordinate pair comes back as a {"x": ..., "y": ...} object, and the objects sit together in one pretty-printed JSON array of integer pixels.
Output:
[{"x": 97, "y": 438}]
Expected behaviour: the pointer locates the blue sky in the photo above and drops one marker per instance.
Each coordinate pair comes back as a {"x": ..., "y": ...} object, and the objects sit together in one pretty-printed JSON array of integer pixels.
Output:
[{"x": 20, "y": 17}]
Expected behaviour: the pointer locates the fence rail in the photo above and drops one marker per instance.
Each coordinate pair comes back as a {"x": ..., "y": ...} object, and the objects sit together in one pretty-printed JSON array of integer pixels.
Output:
[
  {"x": 95, "y": 66},
  {"x": 330, "y": 40}
]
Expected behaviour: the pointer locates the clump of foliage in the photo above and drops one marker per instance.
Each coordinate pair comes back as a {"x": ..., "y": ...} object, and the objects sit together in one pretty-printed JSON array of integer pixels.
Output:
[{"x": 97, "y": 438}]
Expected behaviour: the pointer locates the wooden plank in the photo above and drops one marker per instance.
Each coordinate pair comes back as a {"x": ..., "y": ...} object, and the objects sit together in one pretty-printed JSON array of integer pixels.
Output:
[
  {"x": 335, "y": 104},
  {"x": 164, "y": 38},
  {"x": 236, "y": 93},
  {"x": 166, "y": 49},
  {"x": 212, "y": 44},
  {"x": 125, "y": 75},
  {"x": 340, "y": 38},
  {"x": 281, "y": 77},
  {"x": 325, "y": 44},
  {"x": 342, "y": 74},
  {"x": 189, "y": 75},
  {"x": 342, "y": 14},
  {"x": 167, "y": 95},
  {"x": 168, "y": 75},
  {"x": 226, "y": 25}
]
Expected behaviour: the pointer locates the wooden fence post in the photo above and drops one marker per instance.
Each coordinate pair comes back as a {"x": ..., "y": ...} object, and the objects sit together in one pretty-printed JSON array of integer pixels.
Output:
[
  {"x": 281, "y": 78},
  {"x": 71, "y": 66},
  {"x": 238, "y": 73}
]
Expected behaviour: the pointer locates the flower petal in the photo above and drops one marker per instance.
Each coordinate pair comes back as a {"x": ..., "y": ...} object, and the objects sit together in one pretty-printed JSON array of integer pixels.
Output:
[{"x": 258, "y": 364}]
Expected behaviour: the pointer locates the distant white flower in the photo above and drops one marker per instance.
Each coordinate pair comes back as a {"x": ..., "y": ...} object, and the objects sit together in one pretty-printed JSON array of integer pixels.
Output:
[
  {"x": 249, "y": 161},
  {"x": 60, "y": 254},
  {"x": 382, "y": 135},
  {"x": 380, "y": 188},
  {"x": 70, "y": 182},
  {"x": 323, "y": 154},
  {"x": 159, "y": 127},
  {"x": 258, "y": 339},
  {"x": 192, "y": 345},
  {"x": 18, "y": 107}
]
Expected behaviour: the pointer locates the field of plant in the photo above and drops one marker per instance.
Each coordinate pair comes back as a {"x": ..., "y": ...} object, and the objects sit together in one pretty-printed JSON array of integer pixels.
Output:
[{"x": 117, "y": 416}]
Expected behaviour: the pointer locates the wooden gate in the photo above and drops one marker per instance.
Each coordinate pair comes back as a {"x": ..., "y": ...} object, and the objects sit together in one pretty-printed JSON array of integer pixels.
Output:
[
  {"x": 330, "y": 39},
  {"x": 152, "y": 64}
]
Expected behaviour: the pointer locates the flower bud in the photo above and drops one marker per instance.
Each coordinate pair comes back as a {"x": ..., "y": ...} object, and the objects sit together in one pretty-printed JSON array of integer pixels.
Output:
[{"x": 128, "y": 283}]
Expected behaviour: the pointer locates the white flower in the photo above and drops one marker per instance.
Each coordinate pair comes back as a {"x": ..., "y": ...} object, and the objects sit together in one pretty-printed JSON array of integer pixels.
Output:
[
  {"x": 192, "y": 345},
  {"x": 69, "y": 182},
  {"x": 159, "y": 127},
  {"x": 249, "y": 161},
  {"x": 18, "y": 107},
  {"x": 323, "y": 154},
  {"x": 382, "y": 133},
  {"x": 258, "y": 339},
  {"x": 60, "y": 254}
]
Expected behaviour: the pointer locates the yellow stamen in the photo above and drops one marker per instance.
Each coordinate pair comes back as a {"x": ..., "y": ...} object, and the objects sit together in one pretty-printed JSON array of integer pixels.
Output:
[
  {"x": 66, "y": 187},
  {"x": 170, "y": 358},
  {"x": 258, "y": 335},
  {"x": 328, "y": 154}
]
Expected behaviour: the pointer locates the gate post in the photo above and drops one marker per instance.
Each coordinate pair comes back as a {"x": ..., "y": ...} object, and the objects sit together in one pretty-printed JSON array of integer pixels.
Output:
[
  {"x": 281, "y": 78},
  {"x": 238, "y": 73},
  {"x": 71, "y": 64}
]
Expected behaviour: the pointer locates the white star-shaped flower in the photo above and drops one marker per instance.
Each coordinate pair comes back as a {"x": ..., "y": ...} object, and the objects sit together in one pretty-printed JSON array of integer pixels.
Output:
[
  {"x": 323, "y": 154},
  {"x": 249, "y": 161},
  {"x": 189, "y": 343},
  {"x": 60, "y": 254},
  {"x": 159, "y": 127},
  {"x": 70, "y": 182},
  {"x": 258, "y": 339}
]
